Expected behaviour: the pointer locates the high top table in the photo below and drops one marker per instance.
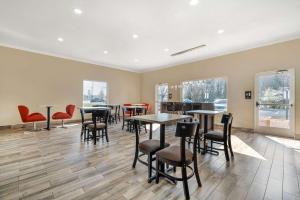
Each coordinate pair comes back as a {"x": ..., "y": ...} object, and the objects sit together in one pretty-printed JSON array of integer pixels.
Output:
[
  {"x": 162, "y": 119},
  {"x": 206, "y": 113},
  {"x": 48, "y": 108}
]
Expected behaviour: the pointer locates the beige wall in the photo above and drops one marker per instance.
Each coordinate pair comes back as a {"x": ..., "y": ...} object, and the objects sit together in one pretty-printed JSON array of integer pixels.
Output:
[
  {"x": 34, "y": 80},
  {"x": 240, "y": 69}
]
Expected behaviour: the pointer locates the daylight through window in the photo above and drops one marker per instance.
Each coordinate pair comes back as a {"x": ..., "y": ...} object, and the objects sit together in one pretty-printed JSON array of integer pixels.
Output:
[
  {"x": 94, "y": 93},
  {"x": 209, "y": 90}
]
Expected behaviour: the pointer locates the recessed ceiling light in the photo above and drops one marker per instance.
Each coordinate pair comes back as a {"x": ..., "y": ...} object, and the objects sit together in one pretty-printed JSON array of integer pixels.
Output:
[
  {"x": 194, "y": 2},
  {"x": 166, "y": 49},
  {"x": 135, "y": 36},
  {"x": 60, "y": 39},
  {"x": 77, "y": 11},
  {"x": 105, "y": 52},
  {"x": 136, "y": 60},
  {"x": 221, "y": 31}
]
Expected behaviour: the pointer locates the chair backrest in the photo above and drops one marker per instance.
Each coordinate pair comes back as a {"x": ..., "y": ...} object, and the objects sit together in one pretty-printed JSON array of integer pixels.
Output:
[
  {"x": 127, "y": 111},
  {"x": 24, "y": 112},
  {"x": 227, "y": 121},
  {"x": 102, "y": 115},
  {"x": 187, "y": 129},
  {"x": 141, "y": 111},
  {"x": 70, "y": 109},
  {"x": 148, "y": 106}
]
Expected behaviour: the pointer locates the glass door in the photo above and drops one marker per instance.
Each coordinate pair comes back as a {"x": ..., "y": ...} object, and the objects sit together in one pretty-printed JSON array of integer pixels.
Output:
[
  {"x": 161, "y": 95},
  {"x": 274, "y": 110}
]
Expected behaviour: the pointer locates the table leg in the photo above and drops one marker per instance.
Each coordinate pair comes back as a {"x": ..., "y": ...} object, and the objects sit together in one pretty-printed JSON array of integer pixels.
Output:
[
  {"x": 162, "y": 143},
  {"x": 150, "y": 134},
  {"x": 48, "y": 118},
  {"x": 205, "y": 131}
]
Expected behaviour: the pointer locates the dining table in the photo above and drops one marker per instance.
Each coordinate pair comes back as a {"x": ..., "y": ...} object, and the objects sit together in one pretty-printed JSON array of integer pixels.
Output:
[
  {"x": 90, "y": 109},
  {"x": 162, "y": 119}
]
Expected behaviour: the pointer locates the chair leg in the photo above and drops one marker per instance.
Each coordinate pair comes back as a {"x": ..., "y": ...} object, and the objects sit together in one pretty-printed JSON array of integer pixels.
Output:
[
  {"x": 205, "y": 146},
  {"x": 226, "y": 151},
  {"x": 157, "y": 170},
  {"x": 106, "y": 135},
  {"x": 230, "y": 147},
  {"x": 145, "y": 128},
  {"x": 34, "y": 126},
  {"x": 149, "y": 167},
  {"x": 123, "y": 125},
  {"x": 135, "y": 157},
  {"x": 197, "y": 172},
  {"x": 185, "y": 183},
  {"x": 94, "y": 136},
  {"x": 198, "y": 143}
]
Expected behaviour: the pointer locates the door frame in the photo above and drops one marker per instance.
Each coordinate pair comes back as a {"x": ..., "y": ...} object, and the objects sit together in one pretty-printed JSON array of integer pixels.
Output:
[{"x": 276, "y": 131}]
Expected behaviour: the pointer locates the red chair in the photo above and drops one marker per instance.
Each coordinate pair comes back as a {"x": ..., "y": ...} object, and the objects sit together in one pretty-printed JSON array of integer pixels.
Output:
[
  {"x": 33, "y": 117},
  {"x": 64, "y": 115},
  {"x": 148, "y": 107},
  {"x": 127, "y": 113}
]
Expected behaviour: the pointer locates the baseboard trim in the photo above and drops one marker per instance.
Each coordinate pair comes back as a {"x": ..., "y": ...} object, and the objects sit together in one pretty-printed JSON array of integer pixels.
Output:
[{"x": 39, "y": 124}]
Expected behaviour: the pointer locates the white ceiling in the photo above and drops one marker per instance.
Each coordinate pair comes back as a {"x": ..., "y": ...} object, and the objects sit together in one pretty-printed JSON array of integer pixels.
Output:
[{"x": 108, "y": 25}]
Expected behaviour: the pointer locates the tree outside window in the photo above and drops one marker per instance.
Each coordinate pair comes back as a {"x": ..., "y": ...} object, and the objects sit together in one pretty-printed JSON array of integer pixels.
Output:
[{"x": 206, "y": 91}]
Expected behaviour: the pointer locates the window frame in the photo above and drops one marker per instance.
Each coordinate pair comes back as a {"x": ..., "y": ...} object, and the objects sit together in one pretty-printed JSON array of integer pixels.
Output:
[
  {"x": 103, "y": 81},
  {"x": 208, "y": 78}
]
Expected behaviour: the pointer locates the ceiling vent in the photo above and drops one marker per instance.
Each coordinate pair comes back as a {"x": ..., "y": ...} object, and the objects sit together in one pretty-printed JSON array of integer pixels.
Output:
[{"x": 188, "y": 50}]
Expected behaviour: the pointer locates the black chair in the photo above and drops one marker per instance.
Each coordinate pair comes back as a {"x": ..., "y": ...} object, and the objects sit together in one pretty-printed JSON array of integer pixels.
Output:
[
  {"x": 84, "y": 123},
  {"x": 127, "y": 113},
  {"x": 221, "y": 138},
  {"x": 142, "y": 111},
  {"x": 100, "y": 120},
  {"x": 179, "y": 156},
  {"x": 113, "y": 115},
  {"x": 146, "y": 148}
]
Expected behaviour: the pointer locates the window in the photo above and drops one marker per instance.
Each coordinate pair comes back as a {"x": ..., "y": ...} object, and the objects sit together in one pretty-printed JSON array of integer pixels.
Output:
[
  {"x": 94, "y": 93},
  {"x": 209, "y": 91}
]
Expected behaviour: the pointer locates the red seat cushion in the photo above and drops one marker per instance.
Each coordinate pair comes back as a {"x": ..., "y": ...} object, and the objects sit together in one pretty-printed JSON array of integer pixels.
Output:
[
  {"x": 61, "y": 115},
  {"x": 35, "y": 117}
]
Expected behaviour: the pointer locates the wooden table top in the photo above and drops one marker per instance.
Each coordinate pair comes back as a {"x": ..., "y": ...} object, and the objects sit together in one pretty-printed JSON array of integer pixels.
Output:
[
  {"x": 205, "y": 112},
  {"x": 161, "y": 118},
  {"x": 133, "y": 107},
  {"x": 105, "y": 105},
  {"x": 95, "y": 108}
]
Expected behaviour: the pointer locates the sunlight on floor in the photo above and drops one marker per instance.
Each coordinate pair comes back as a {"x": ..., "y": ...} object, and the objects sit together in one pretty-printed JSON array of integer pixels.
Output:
[
  {"x": 290, "y": 143},
  {"x": 243, "y": 148}
]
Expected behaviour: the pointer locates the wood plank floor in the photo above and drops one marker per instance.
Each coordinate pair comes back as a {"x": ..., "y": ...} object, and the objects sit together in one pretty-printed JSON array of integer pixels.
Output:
[{"x": 56, "y": 164}]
